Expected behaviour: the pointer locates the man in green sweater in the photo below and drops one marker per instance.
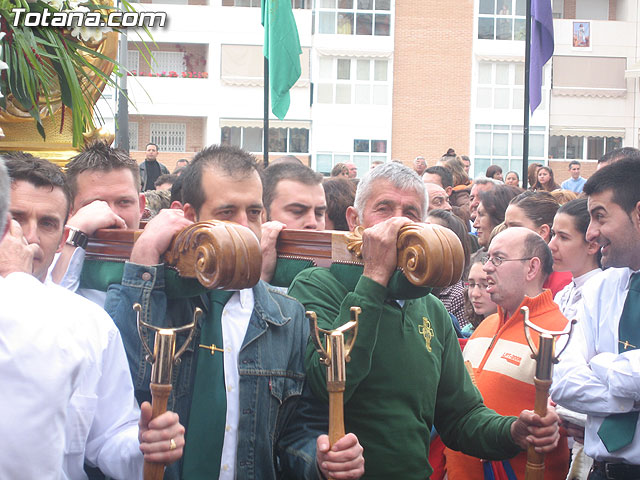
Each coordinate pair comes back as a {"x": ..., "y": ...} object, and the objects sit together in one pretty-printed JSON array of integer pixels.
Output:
[{"x": 406, "y": 372}]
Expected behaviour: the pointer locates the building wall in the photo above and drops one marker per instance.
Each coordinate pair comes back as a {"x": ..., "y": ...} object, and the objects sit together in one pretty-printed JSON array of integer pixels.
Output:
[
  {"x": 195, "y": 137},
  {"x": 432, "y": 76}
]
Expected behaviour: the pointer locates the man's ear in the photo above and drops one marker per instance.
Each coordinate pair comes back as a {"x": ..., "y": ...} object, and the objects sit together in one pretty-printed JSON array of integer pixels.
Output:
[
  {"x": 142, "y": 201},
  {"x": 352, "y": 218},
  {"x": 448, "y": 190},
  {"x": 176, "y": 205},
  {"x": 535, "y": 268},
  {"x": 190, "y": 212},
  {"x": 635, "y": 216}
]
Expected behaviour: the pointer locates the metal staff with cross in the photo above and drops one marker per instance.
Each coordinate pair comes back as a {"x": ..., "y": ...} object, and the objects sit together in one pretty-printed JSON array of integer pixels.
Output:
[
  {"x": 335, "y": 356},
  {"x": 544, "y": 356},
  {"x": 162, "y": 359}
]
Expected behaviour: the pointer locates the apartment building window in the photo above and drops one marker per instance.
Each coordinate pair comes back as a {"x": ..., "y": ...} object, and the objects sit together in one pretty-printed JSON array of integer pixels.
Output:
[
  {"x": 133, "y": 135},
  {"x": 168, "y": 62},
  {"x": 502, "y": 19},
  {"x": 133, "y": 60},
  {"x": 575, "y": 147},
  {"x": 359, "y": 17},
  {"x": 502, "y": 145},
  {"x": 170, "y": 137},
  {"x": 558, "y": 8},
  {"x": 501, "y": 86},
  {"x": 353, "y": 81},
  {"x": 281, "y": 140},
  {"x": 257, "y": 3},
  {"x": 364, "y": 152}
]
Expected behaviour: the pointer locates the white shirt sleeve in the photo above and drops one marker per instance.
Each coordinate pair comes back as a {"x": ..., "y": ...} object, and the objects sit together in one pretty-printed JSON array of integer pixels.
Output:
[
  {"x": 41, "y": 364},
  {"x": 586, "y": 380}
]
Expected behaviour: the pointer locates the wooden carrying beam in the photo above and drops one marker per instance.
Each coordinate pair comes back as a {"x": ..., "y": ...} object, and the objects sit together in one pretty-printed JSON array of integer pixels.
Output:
[{"x": 227, "y": 255}]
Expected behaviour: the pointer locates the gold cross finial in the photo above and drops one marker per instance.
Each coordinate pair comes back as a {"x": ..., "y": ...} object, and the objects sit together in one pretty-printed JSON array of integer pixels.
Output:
[{"x": 212, "y": 348}]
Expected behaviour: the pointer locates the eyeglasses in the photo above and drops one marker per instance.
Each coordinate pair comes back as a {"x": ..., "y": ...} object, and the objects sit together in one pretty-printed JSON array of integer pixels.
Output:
[
  {"x": 471, "y": 286},
  {"x": 497, "y": 261}
]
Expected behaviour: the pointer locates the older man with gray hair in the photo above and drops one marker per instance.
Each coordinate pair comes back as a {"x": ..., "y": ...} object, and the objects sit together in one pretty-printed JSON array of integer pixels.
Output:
[{"x": 394, "y": 391}]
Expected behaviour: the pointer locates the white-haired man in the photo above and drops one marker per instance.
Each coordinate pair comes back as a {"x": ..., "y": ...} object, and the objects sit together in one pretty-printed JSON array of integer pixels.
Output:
[{"x": 394, "y": 392}]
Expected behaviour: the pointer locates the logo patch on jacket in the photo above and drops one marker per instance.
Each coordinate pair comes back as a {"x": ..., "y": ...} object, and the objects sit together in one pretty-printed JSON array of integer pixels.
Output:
[
  {"x": 427, "y": 332},
  {"x": 511, "y": 358}
]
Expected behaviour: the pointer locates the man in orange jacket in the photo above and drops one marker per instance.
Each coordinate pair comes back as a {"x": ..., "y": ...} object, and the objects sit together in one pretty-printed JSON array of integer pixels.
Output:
[{"x": 518, "y": 264}]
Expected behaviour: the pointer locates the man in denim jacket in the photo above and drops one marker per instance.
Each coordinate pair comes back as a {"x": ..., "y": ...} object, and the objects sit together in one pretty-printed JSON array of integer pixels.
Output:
[{"x": 271, "y": 420}]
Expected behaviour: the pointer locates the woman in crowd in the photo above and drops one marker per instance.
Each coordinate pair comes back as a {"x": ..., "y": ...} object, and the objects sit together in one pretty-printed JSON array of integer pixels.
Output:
[
  {"x": 535, "y": 211},
  {"x": 478, "y": 303},
  {"x": 512, "y": 179},
  {"x": 493, "y": 204},
  {"x": 532, "y": 174},
  {"x": 573, "y": 253},
  {"x": 453, "y": 296},
  {"x": 340, "y": 170},
  {"x": 545, "y": 181},
  {"x": 495, "y": 172}
]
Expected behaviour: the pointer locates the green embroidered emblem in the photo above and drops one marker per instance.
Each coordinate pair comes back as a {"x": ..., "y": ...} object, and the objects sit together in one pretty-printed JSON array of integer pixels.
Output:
[{"x": 427, "y": 332}]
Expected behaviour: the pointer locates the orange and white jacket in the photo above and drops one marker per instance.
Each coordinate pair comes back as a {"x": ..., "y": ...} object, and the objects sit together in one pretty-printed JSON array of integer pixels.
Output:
[{"x": 504, "y": 371}]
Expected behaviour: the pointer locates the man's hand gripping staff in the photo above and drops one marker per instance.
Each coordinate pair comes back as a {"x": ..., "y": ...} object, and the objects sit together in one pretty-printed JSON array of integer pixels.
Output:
[
  {"x": 545, "y": 358},
  {"x": 335, "y": 356}
]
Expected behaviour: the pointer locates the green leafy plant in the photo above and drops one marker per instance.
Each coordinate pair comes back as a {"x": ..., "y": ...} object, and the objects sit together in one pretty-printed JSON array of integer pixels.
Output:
[{"x": 54, "y": 67}]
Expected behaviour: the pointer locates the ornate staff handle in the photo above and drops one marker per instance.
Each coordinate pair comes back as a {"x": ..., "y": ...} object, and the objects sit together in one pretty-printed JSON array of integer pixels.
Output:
[
  {"x": 545, "y": 358},
  {"x": 335, "y": 356},
  {"x": 227, "y": 255},
  {"x": 163, "y": 357}
]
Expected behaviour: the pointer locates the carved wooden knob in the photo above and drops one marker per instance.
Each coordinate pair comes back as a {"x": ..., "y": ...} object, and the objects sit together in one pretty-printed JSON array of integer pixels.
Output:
[
  {"x": 219, "y": 254},
  {"x": 430, "y": 255}
]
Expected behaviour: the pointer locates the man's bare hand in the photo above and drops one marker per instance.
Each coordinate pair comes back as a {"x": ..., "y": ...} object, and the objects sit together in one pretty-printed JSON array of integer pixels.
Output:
[
  {"x": 95, "y": 216},
  {"x": 157, "y": 235},
  {"x": 268, "y": 239},
  {"x": 161, "y": 439},
  {"x": 342, "y": 461},
  {"x": 541, "y": 432},
  {"x": 16, "y": 254},
  {"x": 379, "y": 250}
]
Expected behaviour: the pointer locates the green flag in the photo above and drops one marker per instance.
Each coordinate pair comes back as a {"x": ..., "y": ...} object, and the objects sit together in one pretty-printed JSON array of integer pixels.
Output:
[{"x": 282, "y": 49}]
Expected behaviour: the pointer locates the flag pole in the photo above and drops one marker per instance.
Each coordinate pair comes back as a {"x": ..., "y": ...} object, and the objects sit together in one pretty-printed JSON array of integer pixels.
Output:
[
  {"x": 265, "y": 121},
  {"x": 527, "y": 68}
]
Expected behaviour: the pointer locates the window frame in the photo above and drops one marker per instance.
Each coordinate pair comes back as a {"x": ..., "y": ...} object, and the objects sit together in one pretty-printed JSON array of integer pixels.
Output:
[
  {"x": 339, "y": 11},
  {"x": 160, "y": 133},
  {"x": 353, "y": 82},
  {"x": 287, "y": 140}
]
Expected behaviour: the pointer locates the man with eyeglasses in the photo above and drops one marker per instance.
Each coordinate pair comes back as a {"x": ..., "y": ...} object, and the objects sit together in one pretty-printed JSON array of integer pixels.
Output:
[{"x": 518, "y": 264}]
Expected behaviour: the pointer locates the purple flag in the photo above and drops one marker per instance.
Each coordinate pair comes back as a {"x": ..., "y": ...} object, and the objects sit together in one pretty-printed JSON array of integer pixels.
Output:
[{"x": 541, "y": 47}]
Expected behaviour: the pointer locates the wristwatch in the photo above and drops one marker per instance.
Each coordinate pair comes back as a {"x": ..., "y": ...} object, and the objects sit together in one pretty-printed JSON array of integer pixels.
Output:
[{"x": 76, "y": 238}]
